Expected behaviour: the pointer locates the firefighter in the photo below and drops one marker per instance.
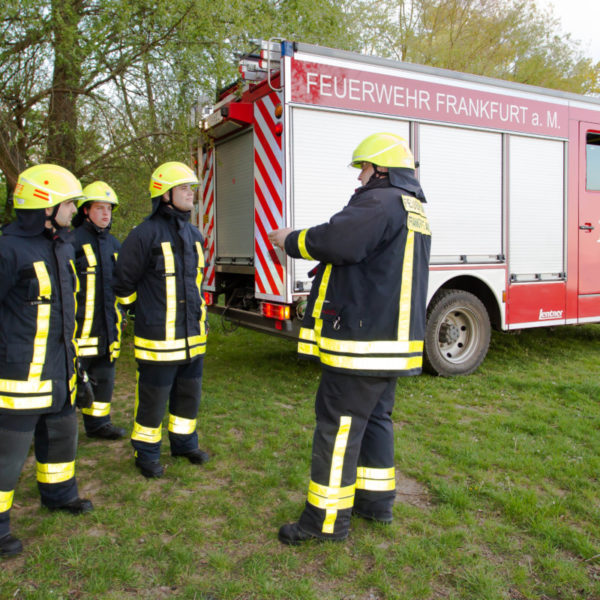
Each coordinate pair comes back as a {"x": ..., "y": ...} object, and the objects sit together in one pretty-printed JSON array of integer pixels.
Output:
[
  {"x": 37, "y": 329},
  {"x": 98, "y": 315},
  {"x": 365, "y": 324},
  {"x": 159, "y": 277}
]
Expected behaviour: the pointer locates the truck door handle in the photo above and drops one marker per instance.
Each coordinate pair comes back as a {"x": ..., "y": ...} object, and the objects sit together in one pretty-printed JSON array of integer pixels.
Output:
[{"x": 587, "y": 227}]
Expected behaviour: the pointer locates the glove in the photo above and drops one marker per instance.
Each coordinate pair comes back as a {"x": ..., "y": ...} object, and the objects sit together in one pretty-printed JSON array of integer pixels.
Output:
[{"x": 85, "y": 392}]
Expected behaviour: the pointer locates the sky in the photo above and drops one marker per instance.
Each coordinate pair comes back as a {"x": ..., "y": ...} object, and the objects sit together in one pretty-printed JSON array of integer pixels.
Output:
[{"x": 580, "y": 18}]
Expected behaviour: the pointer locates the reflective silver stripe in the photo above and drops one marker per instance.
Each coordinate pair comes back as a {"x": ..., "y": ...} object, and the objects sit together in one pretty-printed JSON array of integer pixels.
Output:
[
  {"x": 375, "y": 480},
  {"x": 181, "y": 425}
]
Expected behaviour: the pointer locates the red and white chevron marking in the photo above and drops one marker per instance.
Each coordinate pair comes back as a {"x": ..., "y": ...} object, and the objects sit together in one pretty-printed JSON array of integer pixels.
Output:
[
  {"x": 268, "y": 197},
  {"x": 208, "y": 215}
]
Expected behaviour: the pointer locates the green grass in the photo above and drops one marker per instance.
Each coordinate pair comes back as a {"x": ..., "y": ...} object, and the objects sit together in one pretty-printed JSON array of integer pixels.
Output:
[{"x": 498, "y": 497}]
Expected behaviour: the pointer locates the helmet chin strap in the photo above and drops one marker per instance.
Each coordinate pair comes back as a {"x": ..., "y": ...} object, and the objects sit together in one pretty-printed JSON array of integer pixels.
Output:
[
  {"x": 52, "y": 218},
  {"x": 377, "y": 174}
]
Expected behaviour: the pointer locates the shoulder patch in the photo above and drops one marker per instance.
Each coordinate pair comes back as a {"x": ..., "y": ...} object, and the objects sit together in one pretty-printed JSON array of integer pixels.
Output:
[
  {"x": 413, "y": 205},
  {"x": 418, "y": 223}
]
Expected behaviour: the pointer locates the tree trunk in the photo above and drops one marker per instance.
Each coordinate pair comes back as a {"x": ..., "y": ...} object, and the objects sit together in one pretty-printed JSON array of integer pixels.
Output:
[{"x": 62, "y": 112}]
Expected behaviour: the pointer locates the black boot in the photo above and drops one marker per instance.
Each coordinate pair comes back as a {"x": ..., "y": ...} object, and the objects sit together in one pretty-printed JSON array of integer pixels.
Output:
[
  {"x": 380, "y": 518},
  {"x": 75, "y": 507},
  {"x": 150, "y": 469},
  {"x": 10, "y": 546},
  {"x": 108, "y": 431},
  {"x": 196, "y": 457},
  {"x": 292, "y": 535}
]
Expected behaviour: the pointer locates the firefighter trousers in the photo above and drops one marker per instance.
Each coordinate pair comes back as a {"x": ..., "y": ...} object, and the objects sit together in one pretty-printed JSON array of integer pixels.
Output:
[
  {"x": 55, "y": 445},
  {"x": 352, "y": 455},
  {"x": 102, "y": 376},
  {"x": 159, "y": 385}
]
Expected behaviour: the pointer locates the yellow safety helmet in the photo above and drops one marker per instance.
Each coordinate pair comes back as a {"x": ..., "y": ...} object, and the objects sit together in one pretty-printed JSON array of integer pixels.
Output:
[
  {"x": 99, "y": 191},
  {"x": 169, "y": 175},
  {"x": 43, "y": 186},
  {"x": 383, "y": 150}
]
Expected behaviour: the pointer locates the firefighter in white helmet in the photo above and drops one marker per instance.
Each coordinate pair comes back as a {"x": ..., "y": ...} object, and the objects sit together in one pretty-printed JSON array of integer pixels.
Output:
[
  {"x": 159, "y": 276},
  {"x": 99, "y": 317},
  {"x": 365, "y": 324},
  {"x": 37, "y": 348}
]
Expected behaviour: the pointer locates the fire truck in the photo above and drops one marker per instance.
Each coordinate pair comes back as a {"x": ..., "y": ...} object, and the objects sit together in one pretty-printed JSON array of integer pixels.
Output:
[{"x": 511, "y": 174}]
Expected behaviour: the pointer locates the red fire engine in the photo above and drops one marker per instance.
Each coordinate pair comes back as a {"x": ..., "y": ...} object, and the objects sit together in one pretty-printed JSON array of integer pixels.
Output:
[{"x": 511, "y": 173}]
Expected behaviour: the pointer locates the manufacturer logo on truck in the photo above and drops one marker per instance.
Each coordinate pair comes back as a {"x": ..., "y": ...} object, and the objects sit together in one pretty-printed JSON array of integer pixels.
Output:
[{"x": 546, "y": 315}]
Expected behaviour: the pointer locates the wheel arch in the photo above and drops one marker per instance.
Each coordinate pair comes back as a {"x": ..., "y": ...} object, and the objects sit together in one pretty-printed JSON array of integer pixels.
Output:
[{"x": 478, "y": 287}]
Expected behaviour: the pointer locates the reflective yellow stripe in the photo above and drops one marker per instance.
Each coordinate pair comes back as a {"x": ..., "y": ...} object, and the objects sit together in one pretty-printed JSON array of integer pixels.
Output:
[
  {"x": 98, "y": 409},
  {"x": 375, "y": 480},
  {"x": 73, "y": 384},
  {"x": 373, "y": 347},
  {"x": 302, "y": 245},
  {"x": 159, "y": 344},
  {"x": 169, "y": 350},
  {"x": 371, "y": 363},
  {"x": 406, "y": 291},
  {"x": 307, "y": 334},
  {"x": 13, "y": 386},
  {"x": 90, "y": 341},
  {"x": 90, "y": 291},
  {"x": 197, "y": 351},
  {"x": 308, "y": 349},
  {"x": 6, "y": 500},
  {"x": 335, "y": 475},
  {"x": 25, "y": 402},
  {"x": 43, "y": 321},
  {"x": 368, "y": 347},
  {"x": 40, "y": 394},
  {"x": 181, "y": 425},
  {"x": 55, "y": 472},
  {"x": 328, "y": 498},
  {"x": 127, "y": 299},
  {"x": 170, "y": 291},
  {"x": 115, "y": 348},
  {"x": 150, "y": 435},
  {"x": 322, "y": 291},
  {"x": 200, "y": 255},
  {"x": 160, "y": 356},
  {"x": 199, "y": 275}
]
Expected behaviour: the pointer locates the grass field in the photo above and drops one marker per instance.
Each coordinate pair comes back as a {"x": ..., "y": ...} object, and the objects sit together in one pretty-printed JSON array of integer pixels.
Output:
[{"x": 498, "y": 488}]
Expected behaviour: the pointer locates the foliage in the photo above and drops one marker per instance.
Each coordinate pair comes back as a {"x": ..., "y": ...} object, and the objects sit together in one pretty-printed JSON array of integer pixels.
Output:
[
  {"x": 507, "y": 39},
  {"x": 108, "y": 88},
  {"x": 497, "y": 477}
]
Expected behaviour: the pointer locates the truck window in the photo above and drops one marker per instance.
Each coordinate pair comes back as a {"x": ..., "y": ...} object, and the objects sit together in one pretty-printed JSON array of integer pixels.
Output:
[{"x": 593, "y": 161}]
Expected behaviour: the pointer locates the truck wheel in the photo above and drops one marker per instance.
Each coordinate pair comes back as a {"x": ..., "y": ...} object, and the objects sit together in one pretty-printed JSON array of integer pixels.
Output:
[{"x": 457, "y": 333}]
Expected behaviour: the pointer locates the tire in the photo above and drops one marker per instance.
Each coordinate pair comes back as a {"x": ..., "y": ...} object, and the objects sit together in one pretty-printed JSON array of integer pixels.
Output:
[{"x": 457, "y": 333}]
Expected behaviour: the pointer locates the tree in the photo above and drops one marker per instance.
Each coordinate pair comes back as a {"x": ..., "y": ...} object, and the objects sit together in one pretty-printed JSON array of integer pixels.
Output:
[
  {"x": 507, "y": 39},
  {"x": 104, "y": 87}
]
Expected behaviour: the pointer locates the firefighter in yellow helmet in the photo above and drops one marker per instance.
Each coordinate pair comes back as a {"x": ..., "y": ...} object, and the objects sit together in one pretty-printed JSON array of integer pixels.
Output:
[
  {"x": 98, "y": 315},
  {"x": 159, "y": 274},
  {"x": 37, "y": 349},
  {"x": 365, "y": 324}
]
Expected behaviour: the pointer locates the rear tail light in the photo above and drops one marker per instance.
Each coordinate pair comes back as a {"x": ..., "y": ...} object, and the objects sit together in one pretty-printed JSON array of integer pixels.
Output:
[
  {"x": 275, "y": 311},
  {"x": 208, "y": 298}
]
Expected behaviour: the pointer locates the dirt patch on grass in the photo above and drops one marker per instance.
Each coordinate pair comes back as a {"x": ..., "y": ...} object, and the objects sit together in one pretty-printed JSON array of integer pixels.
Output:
[{"x": 410, "y": 491}]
